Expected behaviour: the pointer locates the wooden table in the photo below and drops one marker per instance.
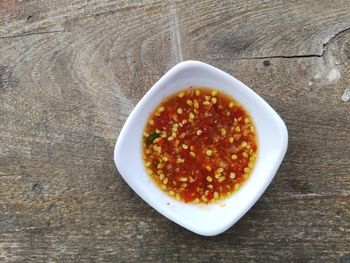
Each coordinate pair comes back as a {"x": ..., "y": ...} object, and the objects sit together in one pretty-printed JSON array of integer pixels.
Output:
[{"x": 71, "y": 72}]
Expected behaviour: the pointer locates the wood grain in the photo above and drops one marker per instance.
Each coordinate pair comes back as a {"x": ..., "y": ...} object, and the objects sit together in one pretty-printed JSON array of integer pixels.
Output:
[{"x": 71, "y": 72}]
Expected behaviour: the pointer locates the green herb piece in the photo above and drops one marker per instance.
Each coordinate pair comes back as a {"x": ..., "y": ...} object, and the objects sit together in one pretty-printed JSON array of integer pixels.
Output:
[{"x": 152, "y": 137}]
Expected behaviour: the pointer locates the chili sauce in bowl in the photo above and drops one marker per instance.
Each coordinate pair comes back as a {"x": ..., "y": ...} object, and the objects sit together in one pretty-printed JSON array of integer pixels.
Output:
[{"x": 199, "y": 145}]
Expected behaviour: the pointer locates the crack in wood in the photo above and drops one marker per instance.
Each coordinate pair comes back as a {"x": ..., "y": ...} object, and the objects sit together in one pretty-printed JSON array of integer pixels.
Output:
[
  {"x": 325, "y": 45},
  {"x": 33, "y": 34},
  {"x": 280, "y": 56},
  {"x": 335, "y": 36}
]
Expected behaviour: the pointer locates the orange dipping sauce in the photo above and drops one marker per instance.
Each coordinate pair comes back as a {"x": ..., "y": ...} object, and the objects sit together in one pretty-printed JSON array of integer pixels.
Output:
[{"x": 199, "y": 145}]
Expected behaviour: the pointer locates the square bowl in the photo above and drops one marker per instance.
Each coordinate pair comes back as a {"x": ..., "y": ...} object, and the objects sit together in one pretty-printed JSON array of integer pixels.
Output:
[{"x": 214, "y": 218}]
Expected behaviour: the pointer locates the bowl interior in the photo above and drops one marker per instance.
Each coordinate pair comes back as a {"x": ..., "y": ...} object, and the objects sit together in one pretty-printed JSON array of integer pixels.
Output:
[{"x": 214, "y": 218}]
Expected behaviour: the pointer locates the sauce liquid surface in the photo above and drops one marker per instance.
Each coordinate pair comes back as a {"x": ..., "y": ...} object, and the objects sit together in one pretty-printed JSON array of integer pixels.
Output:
[{"x": 199, "y": 145}]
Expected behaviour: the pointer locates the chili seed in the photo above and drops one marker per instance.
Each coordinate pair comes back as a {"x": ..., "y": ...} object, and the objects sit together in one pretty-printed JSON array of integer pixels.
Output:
[
  {"x": 209, "y": 152},
  {"x": 195, "y": 104},
  {"x": 181, "y": 94},
  {"x": 209, "y": 179},
  {"x": 234, "y": 157},
  {"x": 232, "y": 175},
  {"x": 216, "y": 195}
]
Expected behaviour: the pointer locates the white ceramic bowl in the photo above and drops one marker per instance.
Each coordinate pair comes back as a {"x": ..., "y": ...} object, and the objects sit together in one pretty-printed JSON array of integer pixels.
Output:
[{"x": 210, "y": 219}]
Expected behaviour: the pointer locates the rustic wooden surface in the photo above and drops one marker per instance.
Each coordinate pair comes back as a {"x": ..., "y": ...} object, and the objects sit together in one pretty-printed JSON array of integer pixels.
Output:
[{"x": 71, "y": 72}]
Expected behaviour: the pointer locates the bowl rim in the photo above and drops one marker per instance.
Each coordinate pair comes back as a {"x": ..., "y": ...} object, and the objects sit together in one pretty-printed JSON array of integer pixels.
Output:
[{"x": 146, "y": 99}]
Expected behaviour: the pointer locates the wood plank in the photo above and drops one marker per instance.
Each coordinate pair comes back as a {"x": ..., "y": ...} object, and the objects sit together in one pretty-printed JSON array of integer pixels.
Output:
[
  {"x": 71, "y": 72},
  {"x": 248, "y": 29}
]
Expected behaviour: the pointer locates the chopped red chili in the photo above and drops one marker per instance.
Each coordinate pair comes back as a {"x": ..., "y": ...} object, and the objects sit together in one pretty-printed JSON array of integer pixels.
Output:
[{"x": 199, "y": 145}]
